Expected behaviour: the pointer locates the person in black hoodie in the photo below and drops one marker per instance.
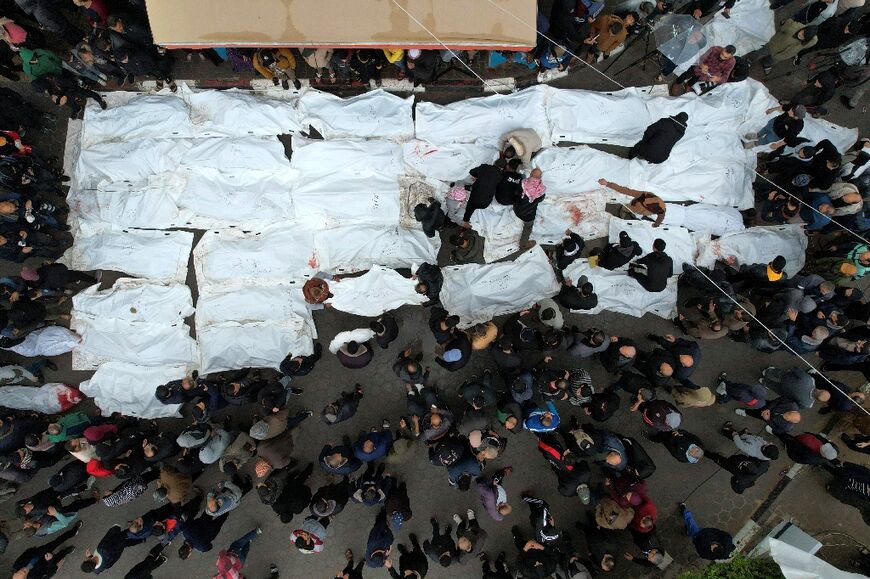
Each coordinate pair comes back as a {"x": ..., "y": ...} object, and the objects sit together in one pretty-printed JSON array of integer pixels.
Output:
[
  {"x": 486, "y": 180},
  {"x": 819, "y": 89},
  {"x": 430, "y": 216},
  {"x": 510, "y": 187},
  {"x": 659, "y": 267},
  {"x": 569, "y": 249},
  {"x": 108, "y": 551},
  {"x": 414, "y": 561},
  {"x": 286, "y": 492},
  {"x": 457, "y": 352},
  {"x": 343, "y": 408},
  {"x": 581, "y": 296},
  {"x": 745, "y": 470},
  {"x": 782, "y": 129},
  {"x": 659, "y": 139},
  {"x": 831, "y": 33},
  {"x": 386, "y": 330},
  {"x": 429, "y": 281},
  {"x": 615, "y": 255}
]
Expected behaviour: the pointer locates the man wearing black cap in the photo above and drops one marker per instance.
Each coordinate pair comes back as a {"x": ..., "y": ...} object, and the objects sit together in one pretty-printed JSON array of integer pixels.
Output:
[
  {"x": 659, "y": 139},
  {"x": 659, "y": 267}
]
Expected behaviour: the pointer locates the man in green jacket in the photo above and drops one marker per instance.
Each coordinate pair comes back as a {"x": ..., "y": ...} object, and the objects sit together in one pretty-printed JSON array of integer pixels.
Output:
[{"x": 39, "y": 62}]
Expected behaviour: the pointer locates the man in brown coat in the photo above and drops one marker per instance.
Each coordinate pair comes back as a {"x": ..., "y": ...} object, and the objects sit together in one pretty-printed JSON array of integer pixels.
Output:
[
  {"x": 607, "y": 33},
  {"x": 173, "y": 485}
]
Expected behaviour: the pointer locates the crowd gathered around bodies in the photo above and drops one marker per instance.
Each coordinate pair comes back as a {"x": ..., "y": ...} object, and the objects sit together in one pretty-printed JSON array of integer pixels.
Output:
[{"x": 536, "y": 383}]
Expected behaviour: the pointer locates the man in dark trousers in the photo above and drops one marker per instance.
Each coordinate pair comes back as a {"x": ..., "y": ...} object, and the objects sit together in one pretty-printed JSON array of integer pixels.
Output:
[
  {"x": 745, "y": 470},
  {"x": 108, "y": 551},
  {"x": 710, "y": 543},
  {"x": 34, "y": 557},
  {"x": 659, "y": 139},
  {"x": 441, "y": 548},
  {"x": 343, "y": 408},
  {"x": 659, "y": 267},
  {"x": 486, "y": 180},
  {"x": 412, "y": 563}
]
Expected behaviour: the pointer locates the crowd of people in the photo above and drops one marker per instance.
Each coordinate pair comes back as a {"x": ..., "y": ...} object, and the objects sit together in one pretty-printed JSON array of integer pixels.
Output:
[{"x": 537, "y": 383}]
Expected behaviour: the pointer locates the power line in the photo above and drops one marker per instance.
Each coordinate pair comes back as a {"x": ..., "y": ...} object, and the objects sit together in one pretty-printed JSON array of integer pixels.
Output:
[{"x": 769, "y": 331}]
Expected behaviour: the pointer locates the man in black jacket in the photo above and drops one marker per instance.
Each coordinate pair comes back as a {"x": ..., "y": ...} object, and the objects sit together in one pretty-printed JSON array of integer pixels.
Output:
[
  {"x": 108, "y": 551},
  {"x": 429, "y": 281},
  {"x": 430, "y": 216},
  {"x": 413, "y": 561},
  {"x": 569, "y": 249},
  {"x": 615, "y": 255},
  {"x": 486, "y": 180},
  {"x": 745, "y": 470},
  {"x": 659, "y": 139},
  {"x": 659, "y": 267},
  {"x": 579, "y": 297},
  {"x": 781, "y": 130}
]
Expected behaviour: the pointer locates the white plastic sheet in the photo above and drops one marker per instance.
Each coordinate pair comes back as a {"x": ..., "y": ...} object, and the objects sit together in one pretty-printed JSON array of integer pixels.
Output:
[
  {"x": 249, "y": 199},
  {"x": 341, "y": 198},
  {"x": 238, "y": 154},
  {"x": 252, "y": 326},
  {"x": 51, "y": 398},
  {"x": 680, "y": 245},
  {"x": 314, "y": 158},
  {"x": 377, "y": 291},
  {"x": 252, "y": 304},
  {"x": 232, "y": 345},
  {"x": 234, "y": 113},
  {"x": 446, "y": 162},
  {"x": 797, "y": 564},
  {"x": 375, "y": 114},
  {"x": 704, "y": 218},
  {"x": 478, "y": 293},
  {"x": 135, "y": 300},
  {"x": 578, "y": 169},
  {"x": 270, "y": 257},
  {"x": 141, "y": 117},
  {"x": 583, "y": 116},
  {"x": 46, "y": 342},
  {"x": 157, "y": 255},
  {"x": 500, "y": 227},
  {"x": 134, "y": 321},
  {"x": 583, "y": 213},
  {"x": 128, "y": 160},
  {"x": 757, "y": 245},
  {"x": 150, "y": 344},
  {"x": 620, "y": 117},
  {"x": 129, "y": 389},
  {"x": 484, "y": 119},
  {"x": 619, "y": 293},
  {"x": 359, "y": 247}
]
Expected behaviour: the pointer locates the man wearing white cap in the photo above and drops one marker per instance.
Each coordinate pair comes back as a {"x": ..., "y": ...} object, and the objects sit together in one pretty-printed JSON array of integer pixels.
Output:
[{"x": 522, "y": 143}]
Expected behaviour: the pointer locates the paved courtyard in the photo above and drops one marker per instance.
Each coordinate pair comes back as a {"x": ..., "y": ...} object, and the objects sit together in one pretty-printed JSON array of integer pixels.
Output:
[{"x": 704, "y": 486}]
